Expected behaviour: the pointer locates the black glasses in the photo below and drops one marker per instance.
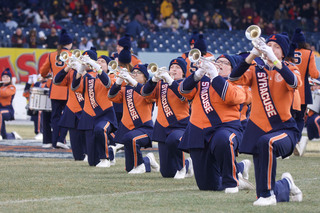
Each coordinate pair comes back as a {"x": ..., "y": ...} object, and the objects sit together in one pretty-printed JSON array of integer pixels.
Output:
[
  {"x": 136, "y": 72},
  {"x": 223, "y": 62}
]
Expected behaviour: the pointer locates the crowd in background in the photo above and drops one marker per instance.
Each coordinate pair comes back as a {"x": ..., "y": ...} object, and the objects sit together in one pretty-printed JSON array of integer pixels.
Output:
[{"x": 108, "y": 20}]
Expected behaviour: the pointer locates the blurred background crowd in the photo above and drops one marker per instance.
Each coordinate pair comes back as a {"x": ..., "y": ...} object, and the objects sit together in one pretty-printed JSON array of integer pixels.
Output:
[{"x": 155, "y": 25}]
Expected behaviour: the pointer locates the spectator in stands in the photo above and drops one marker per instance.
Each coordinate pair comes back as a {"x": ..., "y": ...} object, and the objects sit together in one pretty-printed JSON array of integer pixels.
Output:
[
  {"x": 53, "y": 39},
  {"x": 247, "y": 11},
  {"x": 159, "y": 22},
  {"x": 143, "y": 43},
  {"x": 293, "y": 12},
  {"x": 194, "y": 22},
  {"x": 42, "y": 40},
  {"x": 102, "y": 45},
  {"x": 172, "y": 23},
  {"x": 193, "y": 7},
  {"x": 32, "y": 38},
  {"x": 85, "y": 44},
  {"x": 40, "y": 19},
  {"x": 270, "y": 29},
  {"x": 184, "y": 22},
  {"x": 316, "y": 53},
  {"x": 315, "y": 24},
  {"x": 10, "y": 23},
  {"x": 134, "y": 27},
  {"x": 166, "y": 8},
  {"x": 18, "y": 39}
]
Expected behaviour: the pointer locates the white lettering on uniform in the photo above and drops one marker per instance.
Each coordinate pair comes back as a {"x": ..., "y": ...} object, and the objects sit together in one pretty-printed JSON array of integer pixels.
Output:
[
  {"x": 164, "y": 101},
  {"x": 205, "y": 97},
  {"x": 91, "y": 93},
  {"x": 263, "y": 90},
  {"x": 132, "y": 111}
]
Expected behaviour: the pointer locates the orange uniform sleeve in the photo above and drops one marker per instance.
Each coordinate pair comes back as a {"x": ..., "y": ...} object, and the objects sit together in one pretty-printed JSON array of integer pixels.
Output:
[
  {"x": 45, "y": 68},
  {"x": 313, "y": 71},
  {"x": 235, "y": 95},
  {"x": 118, "y": 98},
  {"x": 8, "y": 91}
]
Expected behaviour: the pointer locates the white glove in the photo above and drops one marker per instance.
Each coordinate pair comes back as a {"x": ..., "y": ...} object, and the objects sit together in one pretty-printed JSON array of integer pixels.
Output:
[
  {"x": 82, "y": 69},
  {"x": 129, "y": 79},
  {"x": 166, "y": 77},
  {"x": 30, "y": 79},
  {"x": 156, "y": 77},
  {"x": 255, "y": 52},
  {"x": 119, "y": 80},
  {"x": 265, "y": 49},
  {"x": 211, "y": 70},
  {"x": 95, "y": 65},
  {"x": 199, "y": 74},
  {"x": 35, "y": 78}
]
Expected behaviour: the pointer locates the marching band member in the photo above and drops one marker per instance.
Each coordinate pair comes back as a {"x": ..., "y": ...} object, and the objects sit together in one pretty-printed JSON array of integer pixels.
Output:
[
  {"x": 305, "y": 61},
  {"x": 271, "y": 131},
  {"x": 58, "y": 94},
  {"x": 36, "y": 115},
  {"x": 212, "y": 135},
  {"x": 72, "y": 111},
  {"x": 98, "y": 118},
  {"x": 192, "y": 40},
  {"x": 202, "y": 46},
  {"x": 136, "y": 126},
  {"x": 313, "y": 111},
  {"x": 172, "y": 119},
  {"x": 7, "y": 92},
  {"x": 123, "y": 42}
]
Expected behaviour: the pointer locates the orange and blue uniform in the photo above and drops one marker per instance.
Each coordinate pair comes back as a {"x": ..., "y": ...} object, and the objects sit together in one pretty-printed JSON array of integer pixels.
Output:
[
  {"x": 271, "y": 131},
  {"x": 72, "y": 113},
  {"x": 191, "y": 66},
  {"x": 172, "y": 119},
  {"x": 98, "y": 117},
  {"x": 7, "y": 92},
  {"x": 136, "y": 126},
  {"x": 58, "y": 95},
  {"x": 211, "y": 136},
  {"x": 305, "y": 61}
]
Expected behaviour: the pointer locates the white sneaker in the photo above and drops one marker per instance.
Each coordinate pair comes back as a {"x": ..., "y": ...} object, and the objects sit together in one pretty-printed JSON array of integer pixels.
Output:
[
  {"x": 180, "y": 174},
  {"x": 114, "y": 149},
  {"x": 246, "y": 168},
  {"x": 153, "y": 163},
  {"x": 17, "y": 136},
  {"x": 85, "y": 158},
  {"x": 1, "y": 138},
  {"x": 231, "y": 190},
  {"x": 295, "y": 193},
  {"x": 138, "y": 170},
  {"x": 190, "y": 171},
  {"x": 301, "y": 146},
  {"x": 244, "y": 184},
  {"x": 266, "y": 201},
  {"x": 39, "y": 137},
  {"x": 62, "y": 145},
  {"x": 119, "y": 146},
  {"x": 104, "y": 163},
  {"x": 47, "y": 145}
]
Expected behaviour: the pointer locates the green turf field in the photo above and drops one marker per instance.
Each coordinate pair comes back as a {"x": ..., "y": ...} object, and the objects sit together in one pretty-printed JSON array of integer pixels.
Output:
[{"x": 61, "y": 185}]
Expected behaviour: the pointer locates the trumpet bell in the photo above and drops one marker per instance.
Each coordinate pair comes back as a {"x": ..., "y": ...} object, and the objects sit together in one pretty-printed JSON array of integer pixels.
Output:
[
  {"x": 76, "y": 53},
  {"x": 113, "y": 65},
  {"x": 153, "y": 67},
  {"x": 253, "y": 32},
  {"x": 64, "y": 56},
  {"x": 194, "y": 55}
]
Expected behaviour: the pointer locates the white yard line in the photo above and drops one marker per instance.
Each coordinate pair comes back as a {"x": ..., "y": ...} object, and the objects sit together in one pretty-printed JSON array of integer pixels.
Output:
[{"x": 89, "y": 196}]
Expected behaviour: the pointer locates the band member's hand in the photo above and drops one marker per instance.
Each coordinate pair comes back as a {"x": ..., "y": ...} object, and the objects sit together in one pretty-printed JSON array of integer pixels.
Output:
[
  {"x": 199, "y": 74},
  {"x": 166, "y": 77},
  {"x": 119, "y": 80},
  {"x": 265, "y": 49},
  {"x": 156, "y": 77},
  {"x": 30, "y": 79},
  {"x": 129, "y": 79},
  {"x": 211, "y": 70}
]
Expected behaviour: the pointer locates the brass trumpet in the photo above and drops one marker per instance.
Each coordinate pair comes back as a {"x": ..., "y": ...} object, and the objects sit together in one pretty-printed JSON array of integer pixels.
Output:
[
  {"x": 76, "y": 55},
  {"x": 195, "y": 56},
  {"x": 253, "y": 32},
  {"x": 153, "y": 67}
]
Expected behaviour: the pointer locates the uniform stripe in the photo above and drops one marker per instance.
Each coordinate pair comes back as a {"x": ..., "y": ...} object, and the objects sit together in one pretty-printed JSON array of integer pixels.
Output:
[
  {"x": 39, "y": 121},
  {"x": 317, "y": 125},
  {"x": 234, "y": 169},
  {"x": 0, "y": 121},
  {"x": 134, "y": 142},
  {"x": 106, "y": 138},
  {"x": 183, "y": 160},
  {"x": 270, "y": 163}
]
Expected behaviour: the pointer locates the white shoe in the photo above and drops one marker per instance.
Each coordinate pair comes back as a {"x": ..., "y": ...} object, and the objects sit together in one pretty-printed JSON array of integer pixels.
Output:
[
  {"x": 190, "y": 171},
  {"x": 39, "y": 137},
  {"x": 246, "y": 168},
  {"x": 138, "y": 170},
  {"x": 266, "y": 201},
  {"x": 301, "y": 146},
  {"x": 85, "y": 158},
  {"x": 1, "y": 138},
  {"x": 295, "y": 193},
  {"x": 153, "y": 163},
  {"x": 104, "y": 163},
  {"x": 180, "y": 174},
  {"x": 47, "y": 145},
  {"x": 119, "y": 146},
  {"x": 62, "y": 145},
  {"x": 114, "y": 150},
  {"x": 17, "y": 136},
  {"x": 244, "y": 184},
  {"x": 231, "y": 190}
]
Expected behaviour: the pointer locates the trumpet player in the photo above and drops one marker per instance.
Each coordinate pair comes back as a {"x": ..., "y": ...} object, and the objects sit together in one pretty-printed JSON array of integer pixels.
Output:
[
  {"x": 172, "y": 118},
  {"x": 136, "y": 126},
  {"x": 58, "y": 94},
  {"x": 271, "y": 131},
  {"x": 201, "y": 45},
  {"x": 213, "y": 133},
  {"x": 97, "y": 119}
]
